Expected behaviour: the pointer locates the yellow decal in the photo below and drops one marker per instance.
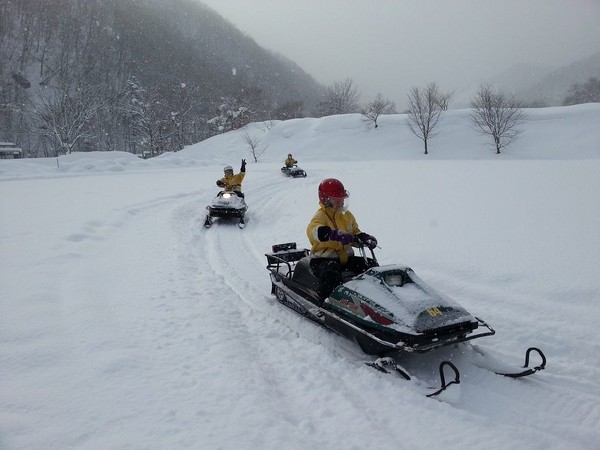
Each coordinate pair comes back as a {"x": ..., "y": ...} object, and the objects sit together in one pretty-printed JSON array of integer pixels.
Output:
[{"x": 435, "y": 311}]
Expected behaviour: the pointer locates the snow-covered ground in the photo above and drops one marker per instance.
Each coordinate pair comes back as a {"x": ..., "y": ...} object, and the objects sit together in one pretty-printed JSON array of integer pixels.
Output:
[{"x": 124, "y": 324}]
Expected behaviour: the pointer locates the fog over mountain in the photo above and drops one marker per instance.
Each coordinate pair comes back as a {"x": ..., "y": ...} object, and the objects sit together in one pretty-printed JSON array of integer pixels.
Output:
[
  {"x": 536, "y": 85},
  {"x": 552, "y": 88},
  {"x": 391, "y": 46}
]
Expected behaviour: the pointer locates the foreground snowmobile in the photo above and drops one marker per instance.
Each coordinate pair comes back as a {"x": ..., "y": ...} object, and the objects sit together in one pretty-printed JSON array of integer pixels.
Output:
[
  {"x": 294, "y": 171},
  {"x": 229, "y": 205},
  {"x": 387, "y": 310}
]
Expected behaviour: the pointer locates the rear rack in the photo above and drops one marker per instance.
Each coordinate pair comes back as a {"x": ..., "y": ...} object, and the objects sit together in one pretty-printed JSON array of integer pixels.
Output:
[{"x": 283, "y": 256}]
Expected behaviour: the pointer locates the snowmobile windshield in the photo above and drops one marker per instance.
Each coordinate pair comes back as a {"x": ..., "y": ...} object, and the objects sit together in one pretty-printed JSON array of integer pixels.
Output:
[{"x": 394, "y": 279}]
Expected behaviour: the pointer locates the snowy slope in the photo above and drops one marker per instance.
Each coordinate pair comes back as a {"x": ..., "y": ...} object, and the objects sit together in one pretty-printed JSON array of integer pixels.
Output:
[{"x": 127, "y": 325}]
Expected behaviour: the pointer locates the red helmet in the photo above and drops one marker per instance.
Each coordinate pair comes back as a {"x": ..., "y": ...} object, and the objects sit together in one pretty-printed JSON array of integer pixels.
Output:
[{"x": 331, "y": 188}]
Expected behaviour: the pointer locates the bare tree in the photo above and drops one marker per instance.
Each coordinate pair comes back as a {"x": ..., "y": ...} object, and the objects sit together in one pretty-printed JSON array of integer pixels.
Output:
[
  {"x": 252, "y": 142},
  {"x": 231, "y": 114},
  {"x": 183, "y": 106},
  {"x": 378, "y": 107},
  {"x": 425, "y": 107},
  {"x": 444, "y": 100},
  {"x": 291, "y": 109},
  {"x": 237, "y": 110},
  {"x": 588, "y": 92},
  {"x": 342, "y": 97},
  {"x": 148, "y": 120},
  {"x": 497, "y": 115},
  {"x": 65, "y": 119}
]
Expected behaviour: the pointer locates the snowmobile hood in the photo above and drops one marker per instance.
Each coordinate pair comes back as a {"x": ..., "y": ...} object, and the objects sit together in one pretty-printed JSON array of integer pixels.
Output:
[
  {"x": 393, "y": 296},
  {"x": 226, "y": 199}
]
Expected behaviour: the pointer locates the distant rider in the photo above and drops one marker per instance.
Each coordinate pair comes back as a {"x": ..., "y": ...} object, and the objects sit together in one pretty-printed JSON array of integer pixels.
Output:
[
  {"x": 331, "y": 232},
  {"x": 233, "y": 182},
  {"x": 290, "y": 162}
]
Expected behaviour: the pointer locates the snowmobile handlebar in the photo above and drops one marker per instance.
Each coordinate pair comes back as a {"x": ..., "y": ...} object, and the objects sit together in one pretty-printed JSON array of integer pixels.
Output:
[
  {"x": 370, "y": 242},
  {"x": 362, "y": 247}
]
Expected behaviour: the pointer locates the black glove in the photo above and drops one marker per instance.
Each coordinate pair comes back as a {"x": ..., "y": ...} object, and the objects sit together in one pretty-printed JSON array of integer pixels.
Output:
[
  {"x": 220, "y": 183},
  {"x": 368, "y": 240},
  {"x": 243, "y": 168}
]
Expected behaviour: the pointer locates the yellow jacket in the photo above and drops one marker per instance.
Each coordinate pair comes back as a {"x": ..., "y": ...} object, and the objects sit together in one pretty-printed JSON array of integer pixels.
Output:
[
  {"x": 336, "y": 220},
  {"x": 289, "y": 162},
  {"x": 234, "y": 182}
]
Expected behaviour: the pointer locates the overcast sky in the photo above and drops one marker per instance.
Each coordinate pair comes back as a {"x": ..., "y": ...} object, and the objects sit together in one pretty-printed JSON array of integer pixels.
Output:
[{"x": 389, "y": 46}]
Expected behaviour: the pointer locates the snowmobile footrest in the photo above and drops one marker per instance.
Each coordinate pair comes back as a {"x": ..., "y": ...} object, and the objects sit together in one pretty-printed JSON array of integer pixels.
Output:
[
  {"x": 445, "y": 385},
  {"x": 382, "y": 363}
]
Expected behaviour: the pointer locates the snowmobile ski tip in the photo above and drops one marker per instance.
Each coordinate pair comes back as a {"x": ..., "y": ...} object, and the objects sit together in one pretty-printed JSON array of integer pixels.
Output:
[{"x": 528, "y": 370}]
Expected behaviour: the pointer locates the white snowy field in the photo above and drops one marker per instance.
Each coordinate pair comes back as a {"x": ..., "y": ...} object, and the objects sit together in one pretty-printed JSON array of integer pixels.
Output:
[{"x": 124, "y": 324}]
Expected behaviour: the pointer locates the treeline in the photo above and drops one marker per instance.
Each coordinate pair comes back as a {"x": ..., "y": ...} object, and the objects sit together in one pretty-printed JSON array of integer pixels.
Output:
[
  {"x": 588, "y": 92},
  {"x": 135, "y": 75}
]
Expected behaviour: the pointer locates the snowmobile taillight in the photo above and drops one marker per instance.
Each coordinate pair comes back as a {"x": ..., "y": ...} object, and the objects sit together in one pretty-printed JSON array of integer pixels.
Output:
[{"x": 379, "y": 318}]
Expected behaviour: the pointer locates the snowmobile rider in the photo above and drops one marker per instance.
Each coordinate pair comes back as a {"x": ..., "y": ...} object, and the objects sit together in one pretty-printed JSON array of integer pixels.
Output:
[
  {"x": 290, "y": 162},
  {"x": 332, "y": 232},
  {"x": 231, "y": 182}
]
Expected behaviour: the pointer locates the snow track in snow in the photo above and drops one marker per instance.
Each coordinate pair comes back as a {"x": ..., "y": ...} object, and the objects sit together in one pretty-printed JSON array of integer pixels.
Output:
[{"x": 236, "y": 258}]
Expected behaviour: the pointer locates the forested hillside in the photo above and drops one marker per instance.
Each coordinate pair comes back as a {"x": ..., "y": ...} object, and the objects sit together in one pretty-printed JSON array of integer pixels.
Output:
[{"x": 137, "y": 75}]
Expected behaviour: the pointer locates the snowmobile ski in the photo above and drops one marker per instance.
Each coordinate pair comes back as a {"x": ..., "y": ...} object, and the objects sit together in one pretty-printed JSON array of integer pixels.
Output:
[
  {"x": 499, "y": 368},
  {"x": 528, "y": 370}
]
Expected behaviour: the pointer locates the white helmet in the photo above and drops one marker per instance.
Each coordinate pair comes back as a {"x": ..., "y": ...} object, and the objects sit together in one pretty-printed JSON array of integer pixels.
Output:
[{"x": 226, "y": 168}]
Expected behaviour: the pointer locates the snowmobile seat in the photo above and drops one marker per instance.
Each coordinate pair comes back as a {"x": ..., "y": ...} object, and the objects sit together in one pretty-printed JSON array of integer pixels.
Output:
[{"x": 304, "y": 275}]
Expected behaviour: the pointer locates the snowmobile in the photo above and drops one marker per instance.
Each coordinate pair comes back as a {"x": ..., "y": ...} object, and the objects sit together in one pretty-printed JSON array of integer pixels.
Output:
[
  {"x": 228, "y": 204},
  {"x": 293, "y": 171},
  {"x": 387, "y": 310}
]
